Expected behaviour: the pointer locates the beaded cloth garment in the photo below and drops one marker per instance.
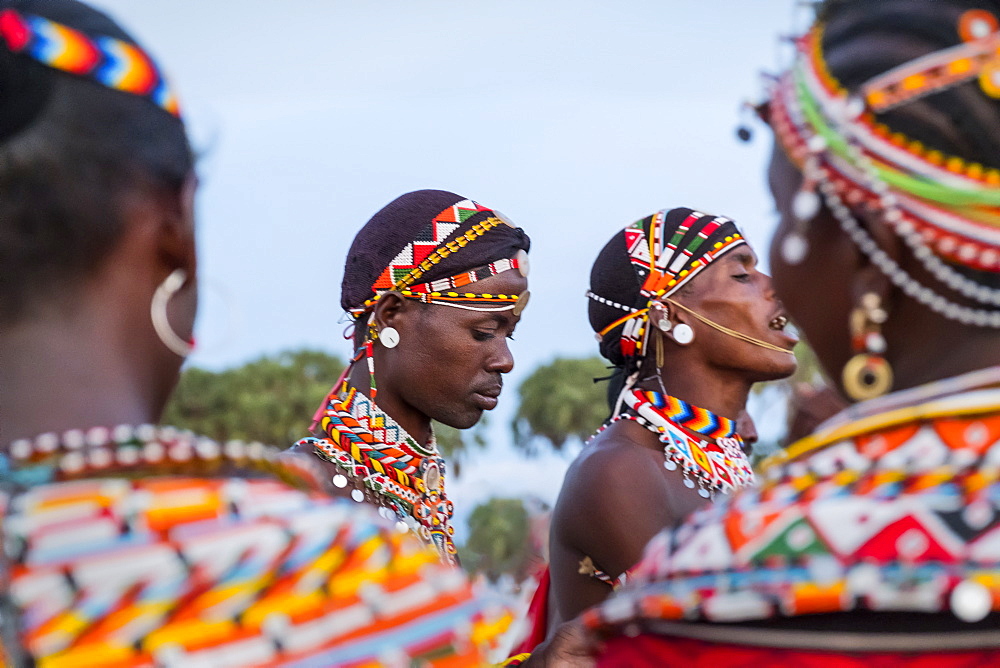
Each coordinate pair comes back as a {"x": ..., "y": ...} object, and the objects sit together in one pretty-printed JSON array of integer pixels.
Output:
[
  {"x": 896, "y": 510},
  {"x": 125, "y": 555},
  {"x": 387, "y": 465}
]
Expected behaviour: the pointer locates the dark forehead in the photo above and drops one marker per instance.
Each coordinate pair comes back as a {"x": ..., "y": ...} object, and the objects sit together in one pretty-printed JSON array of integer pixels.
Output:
[
  {"x": 742, "y": 255},
  {"x": 509, "y": 282}
]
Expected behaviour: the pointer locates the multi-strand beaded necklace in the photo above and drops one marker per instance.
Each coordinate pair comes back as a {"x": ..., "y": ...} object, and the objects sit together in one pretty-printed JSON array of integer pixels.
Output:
[
  {"x": 713, "y": 463},
  {"x": 143, "y": 451},
  {"x": 942, "y": 207},
  {"x": 387, "y": 466}
]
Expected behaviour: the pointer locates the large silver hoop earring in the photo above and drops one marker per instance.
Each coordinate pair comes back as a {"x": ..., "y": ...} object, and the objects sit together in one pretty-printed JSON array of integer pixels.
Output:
[{"x": 158, "y": 313}]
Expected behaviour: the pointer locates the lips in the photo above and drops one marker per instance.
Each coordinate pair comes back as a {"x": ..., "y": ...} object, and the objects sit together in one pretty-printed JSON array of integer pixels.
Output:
[
  {"x": 488, "y": 397},
  {"x": 780, "y": 324}
]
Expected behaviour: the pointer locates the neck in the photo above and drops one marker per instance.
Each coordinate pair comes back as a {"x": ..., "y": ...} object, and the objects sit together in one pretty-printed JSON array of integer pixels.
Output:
[
  {"x": 416, "y": 424},
  {"x": 938, "y": 352},
  {"x": 74, "y": 370},
  {"x": 718, "y": 392}
]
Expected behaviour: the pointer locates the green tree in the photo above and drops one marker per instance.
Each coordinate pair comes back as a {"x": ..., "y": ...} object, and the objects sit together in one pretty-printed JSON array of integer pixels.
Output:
[
  {"x": 559, "y": 401},
  {"x": 498, "y": 539},
  {"x": 272, "y": 400}
]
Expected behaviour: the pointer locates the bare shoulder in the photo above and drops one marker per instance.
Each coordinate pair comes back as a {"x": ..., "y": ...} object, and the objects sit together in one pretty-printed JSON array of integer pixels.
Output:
[{"x": 616, "y": 473}]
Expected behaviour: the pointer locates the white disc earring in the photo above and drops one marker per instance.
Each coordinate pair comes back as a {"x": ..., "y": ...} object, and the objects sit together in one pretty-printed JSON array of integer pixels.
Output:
[
  {"x": 389, "y": 337},
  {"x": 683, "y": 334}
]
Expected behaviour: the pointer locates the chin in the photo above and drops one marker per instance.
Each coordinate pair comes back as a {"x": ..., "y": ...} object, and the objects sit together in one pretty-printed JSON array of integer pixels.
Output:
[
  {"x": 778, "y": 369},
  {"x": 461, "y": 419}
]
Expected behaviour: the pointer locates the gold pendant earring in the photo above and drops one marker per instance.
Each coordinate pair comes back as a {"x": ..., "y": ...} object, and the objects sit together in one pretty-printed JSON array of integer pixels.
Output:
[
  {"x": 867, "y": 374},
  {"x": 659, "y": 350}
]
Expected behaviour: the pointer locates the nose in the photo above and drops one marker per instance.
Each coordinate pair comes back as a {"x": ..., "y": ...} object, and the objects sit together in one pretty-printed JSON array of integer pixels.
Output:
[
  {"x": 768, "y": 286},
  {"x": 501, "y": 360}
]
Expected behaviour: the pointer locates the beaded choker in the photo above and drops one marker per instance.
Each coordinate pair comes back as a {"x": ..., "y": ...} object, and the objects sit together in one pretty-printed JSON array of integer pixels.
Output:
[
  {"x": 715, "y": 463},
  {"x": 387, "y": 466}
]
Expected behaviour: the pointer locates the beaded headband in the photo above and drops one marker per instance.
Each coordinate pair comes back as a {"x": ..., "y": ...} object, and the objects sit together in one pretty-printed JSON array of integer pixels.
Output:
[
  {"x": 110, "y": 62},
  {"x": 945, "y": 209},
  {"x": 434, "y": 244},
  {"x": 665, "y": 265}
]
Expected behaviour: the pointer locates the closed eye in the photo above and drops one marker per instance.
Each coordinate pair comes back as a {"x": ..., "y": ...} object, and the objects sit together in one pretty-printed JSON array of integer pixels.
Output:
[
  {"x": 742, "y": 278},
  {"x": 480, "y": 335}
]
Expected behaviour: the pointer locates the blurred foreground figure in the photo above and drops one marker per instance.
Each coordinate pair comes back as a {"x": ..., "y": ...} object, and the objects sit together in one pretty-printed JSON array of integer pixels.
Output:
[
  {"x": 874, "y": 541},
  {"x": 127, "y": 544}
]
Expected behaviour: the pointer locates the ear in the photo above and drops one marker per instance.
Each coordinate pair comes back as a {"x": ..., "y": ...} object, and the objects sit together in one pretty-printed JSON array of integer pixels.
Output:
[
  {"x": 175, "y": 235},
  {"x": 392, "y": 310}
]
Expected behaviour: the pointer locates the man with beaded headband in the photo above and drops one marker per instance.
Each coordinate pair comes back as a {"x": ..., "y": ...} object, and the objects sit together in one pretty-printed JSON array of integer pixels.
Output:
[
  {"x": 126, "y": 544},
  {"x": 874, "y": 540},
  {"x": 690, "y": 324},
  {"x": 435, "y": 284}
]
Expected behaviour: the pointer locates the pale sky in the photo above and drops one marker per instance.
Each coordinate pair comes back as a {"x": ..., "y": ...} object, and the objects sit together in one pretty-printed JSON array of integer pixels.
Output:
[{"x": 573, "y": 118}]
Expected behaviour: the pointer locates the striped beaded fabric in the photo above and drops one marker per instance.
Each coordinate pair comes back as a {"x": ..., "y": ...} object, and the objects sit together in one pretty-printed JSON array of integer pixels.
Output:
[{"x": 137, "y": 547}]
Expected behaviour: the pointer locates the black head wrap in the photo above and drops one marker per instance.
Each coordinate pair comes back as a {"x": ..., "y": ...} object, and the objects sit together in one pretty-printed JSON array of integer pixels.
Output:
[
  {"x": 405, "y": 220},
  {"x": 25, "y": 83}
]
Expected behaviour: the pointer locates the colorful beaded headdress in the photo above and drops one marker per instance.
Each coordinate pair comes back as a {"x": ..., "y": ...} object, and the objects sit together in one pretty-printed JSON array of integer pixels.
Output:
[
  {"x": 666, "y": 250},
  {"x": 439, "y": 239},
  {"x": 946, "y": 210},
  {"x": 458, "y": 245},
  {"x": 111, "y": 62}
]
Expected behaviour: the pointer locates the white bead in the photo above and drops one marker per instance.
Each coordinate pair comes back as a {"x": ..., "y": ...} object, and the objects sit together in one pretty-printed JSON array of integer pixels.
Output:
[
  {"x": 805, "y": 205},
  {"x": 794, "y": 248},
  {"x": 100, "y": 458},
  {"x": 970, "y": 601},
  {"x": 122, "y": 433},
  {"x": 97, "y": 436},
  {"x": 72, "y": 462},
  {"x": 21, "y": 448},
  {"x": 153, "y": 452},
  {"x": 234, "y": 449},
  {"x": 207, "y": 448},
  {"x": 47, "y": 442},
  {"x": 127, "y": 456},
  {"x": 74, "y": 439}
]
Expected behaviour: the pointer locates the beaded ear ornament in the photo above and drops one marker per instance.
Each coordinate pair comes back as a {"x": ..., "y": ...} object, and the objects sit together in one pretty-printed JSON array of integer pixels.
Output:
[{"x": 945, "y": 209}]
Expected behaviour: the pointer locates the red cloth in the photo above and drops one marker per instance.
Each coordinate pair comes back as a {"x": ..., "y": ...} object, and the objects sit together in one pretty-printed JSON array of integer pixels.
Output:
[
  {"x": 538, "y": 617},
  {"x": 654, "y": 651}
]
